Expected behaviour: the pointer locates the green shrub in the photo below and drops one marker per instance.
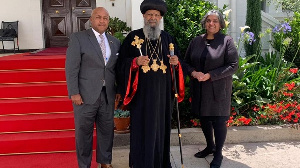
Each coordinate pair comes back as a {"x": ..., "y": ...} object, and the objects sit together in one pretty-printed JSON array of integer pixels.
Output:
[
  {"x": 117, "y": 28},
  {"x": 253, "y": 20},
  {"x": 183, "y": 19}
]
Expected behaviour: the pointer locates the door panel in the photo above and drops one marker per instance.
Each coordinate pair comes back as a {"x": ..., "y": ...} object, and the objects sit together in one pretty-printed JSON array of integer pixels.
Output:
[
  {"x": 82, "y": 10},
  {"x": 82, "y": 24},
  {"x": 57, "y": 19},
  {"x": 63, "y": 17}
]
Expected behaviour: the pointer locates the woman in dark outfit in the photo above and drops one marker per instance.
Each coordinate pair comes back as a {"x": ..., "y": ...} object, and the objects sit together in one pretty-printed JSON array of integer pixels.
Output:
[{"x": 211, "y": 60}]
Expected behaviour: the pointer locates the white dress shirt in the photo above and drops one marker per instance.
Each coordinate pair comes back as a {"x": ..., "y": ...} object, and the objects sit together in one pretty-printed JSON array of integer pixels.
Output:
[{"x": 108, "y": 51}]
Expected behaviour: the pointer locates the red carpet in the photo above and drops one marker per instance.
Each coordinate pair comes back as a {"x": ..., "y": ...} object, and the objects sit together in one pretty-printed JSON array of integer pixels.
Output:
[
  {"x": 36, "y": 115},
  {"x": 62, "y": 121},
  {"x": 55, "y": 160},
  {"x": 42, "y": 105},
  {"x": 49, "y": 51},
  {"x": 19, "y": 61},
  {"x": 40, "y": 75},
  {"x": 33, "y": 90}
]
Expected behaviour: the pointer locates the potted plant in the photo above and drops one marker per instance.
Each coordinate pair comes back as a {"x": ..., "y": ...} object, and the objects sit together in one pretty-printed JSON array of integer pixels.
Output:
[{"x": 122, "y": 120}]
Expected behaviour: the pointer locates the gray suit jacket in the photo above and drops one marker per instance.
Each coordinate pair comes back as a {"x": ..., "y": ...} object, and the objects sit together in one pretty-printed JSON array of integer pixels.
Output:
[{"x": 85, "y": 67}]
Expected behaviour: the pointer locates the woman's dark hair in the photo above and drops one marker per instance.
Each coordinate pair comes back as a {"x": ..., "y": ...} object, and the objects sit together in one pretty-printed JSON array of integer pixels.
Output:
[{"x": 218, "y": 14}]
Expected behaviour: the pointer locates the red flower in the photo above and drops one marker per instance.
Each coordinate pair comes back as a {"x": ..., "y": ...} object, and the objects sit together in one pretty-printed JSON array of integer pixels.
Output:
[
  {"x": 279, "y": 109},
  {"x": 247, "y": 121},
  {"x": 287, "y": 106},
  {"x": 281, "y": 117},
  {"x": 195, "y": 122},
  {"x": 272, "y": 106},
  {"x": 263, "y": 116},
  {"x": 290, "y": 86},
  {"x": 288, "y": 94},
  {"x": 242, "y": 119},
  {"x": 293, "y": 70},
  {"x": 255, "y": 108}
]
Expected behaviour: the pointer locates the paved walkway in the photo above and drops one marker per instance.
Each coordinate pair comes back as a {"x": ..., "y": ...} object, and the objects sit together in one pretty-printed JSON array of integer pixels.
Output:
[{"x": 244, "y": 155}]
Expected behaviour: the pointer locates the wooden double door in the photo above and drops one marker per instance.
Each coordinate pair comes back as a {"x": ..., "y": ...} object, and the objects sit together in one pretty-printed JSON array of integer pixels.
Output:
[{"x": 63, "y": 17}]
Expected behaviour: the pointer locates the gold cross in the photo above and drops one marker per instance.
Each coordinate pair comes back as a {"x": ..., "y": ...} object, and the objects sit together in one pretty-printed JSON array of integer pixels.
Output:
[
  {"x": 137, "y": 42},
  {"x": 171, "y": 46},
  {"x": 154, "y": 65},
  {"x": 145, "y": 68},
  {"x": 163, "y": 67}
]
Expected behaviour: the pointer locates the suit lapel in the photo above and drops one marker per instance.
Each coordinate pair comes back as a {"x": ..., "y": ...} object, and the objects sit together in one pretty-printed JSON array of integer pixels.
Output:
[
  {"x": 95, "y": 43},
  {"x": 111, "y": 46}
]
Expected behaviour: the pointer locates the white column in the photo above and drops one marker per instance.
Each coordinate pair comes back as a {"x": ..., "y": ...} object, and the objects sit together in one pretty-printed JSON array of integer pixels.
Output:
[{"x": 233, "y": 16}]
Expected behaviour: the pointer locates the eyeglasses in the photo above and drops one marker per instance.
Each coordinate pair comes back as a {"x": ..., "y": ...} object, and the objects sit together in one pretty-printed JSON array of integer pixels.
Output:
[{"x": 153, "y": 15}]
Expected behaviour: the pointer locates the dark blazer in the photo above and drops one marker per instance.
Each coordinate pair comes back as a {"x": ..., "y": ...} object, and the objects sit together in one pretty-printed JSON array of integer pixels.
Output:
[
  {"x": 86, "y": 69},
  {"x": 212, "y": 97}
]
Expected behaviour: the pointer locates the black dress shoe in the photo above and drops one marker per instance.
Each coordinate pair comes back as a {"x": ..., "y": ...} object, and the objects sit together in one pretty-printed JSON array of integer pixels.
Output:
[
  {"x": 216, "y": 162},
  {"x": 205, "y": 152}
]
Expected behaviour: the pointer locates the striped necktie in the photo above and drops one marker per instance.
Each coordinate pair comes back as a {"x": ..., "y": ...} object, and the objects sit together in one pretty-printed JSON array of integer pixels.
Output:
[{"x": 103, "y": 48}]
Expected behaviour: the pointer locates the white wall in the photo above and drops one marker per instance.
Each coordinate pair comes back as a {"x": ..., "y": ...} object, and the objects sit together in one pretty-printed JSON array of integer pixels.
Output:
[
  {"x": 276, "y": 12},
  {"x": 125, "y": 10},
  {"x": 116, "y": 8},
  {"x": 29, "y": 15},
  {"x": 136, "y": 15}
]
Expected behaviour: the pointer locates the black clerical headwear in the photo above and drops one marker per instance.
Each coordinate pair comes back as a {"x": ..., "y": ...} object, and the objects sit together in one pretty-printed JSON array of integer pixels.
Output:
[{"x": 153, "y": 5}]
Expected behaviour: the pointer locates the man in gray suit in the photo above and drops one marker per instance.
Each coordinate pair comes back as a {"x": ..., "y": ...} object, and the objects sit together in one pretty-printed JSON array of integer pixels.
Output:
[{"x": 90, "y": 72}]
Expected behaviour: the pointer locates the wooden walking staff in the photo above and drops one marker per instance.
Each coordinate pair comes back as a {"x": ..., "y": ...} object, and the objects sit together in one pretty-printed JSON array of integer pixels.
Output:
[{"x": 171, "y": 48}]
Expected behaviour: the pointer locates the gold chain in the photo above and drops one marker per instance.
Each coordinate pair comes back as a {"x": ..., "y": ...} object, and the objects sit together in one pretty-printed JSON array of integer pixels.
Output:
[
  {"x": 154, "y": 65},
  {"x": 153, "y": 49}
]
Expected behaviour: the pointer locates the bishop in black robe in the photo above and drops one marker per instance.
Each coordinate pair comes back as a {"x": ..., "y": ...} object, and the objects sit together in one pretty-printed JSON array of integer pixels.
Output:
[{"x": 150, "y": 97}]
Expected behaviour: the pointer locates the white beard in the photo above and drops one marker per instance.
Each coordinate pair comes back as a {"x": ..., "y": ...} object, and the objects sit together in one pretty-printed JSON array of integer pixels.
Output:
[{"x": 151, "y": 33}]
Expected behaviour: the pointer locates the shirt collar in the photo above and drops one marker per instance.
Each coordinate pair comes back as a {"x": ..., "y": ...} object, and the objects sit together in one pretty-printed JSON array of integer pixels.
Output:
[{"x": 98, "y": 34}]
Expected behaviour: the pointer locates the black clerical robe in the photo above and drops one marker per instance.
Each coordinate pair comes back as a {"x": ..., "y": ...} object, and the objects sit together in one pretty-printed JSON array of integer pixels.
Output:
[{"x": 150, "y": 97}]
